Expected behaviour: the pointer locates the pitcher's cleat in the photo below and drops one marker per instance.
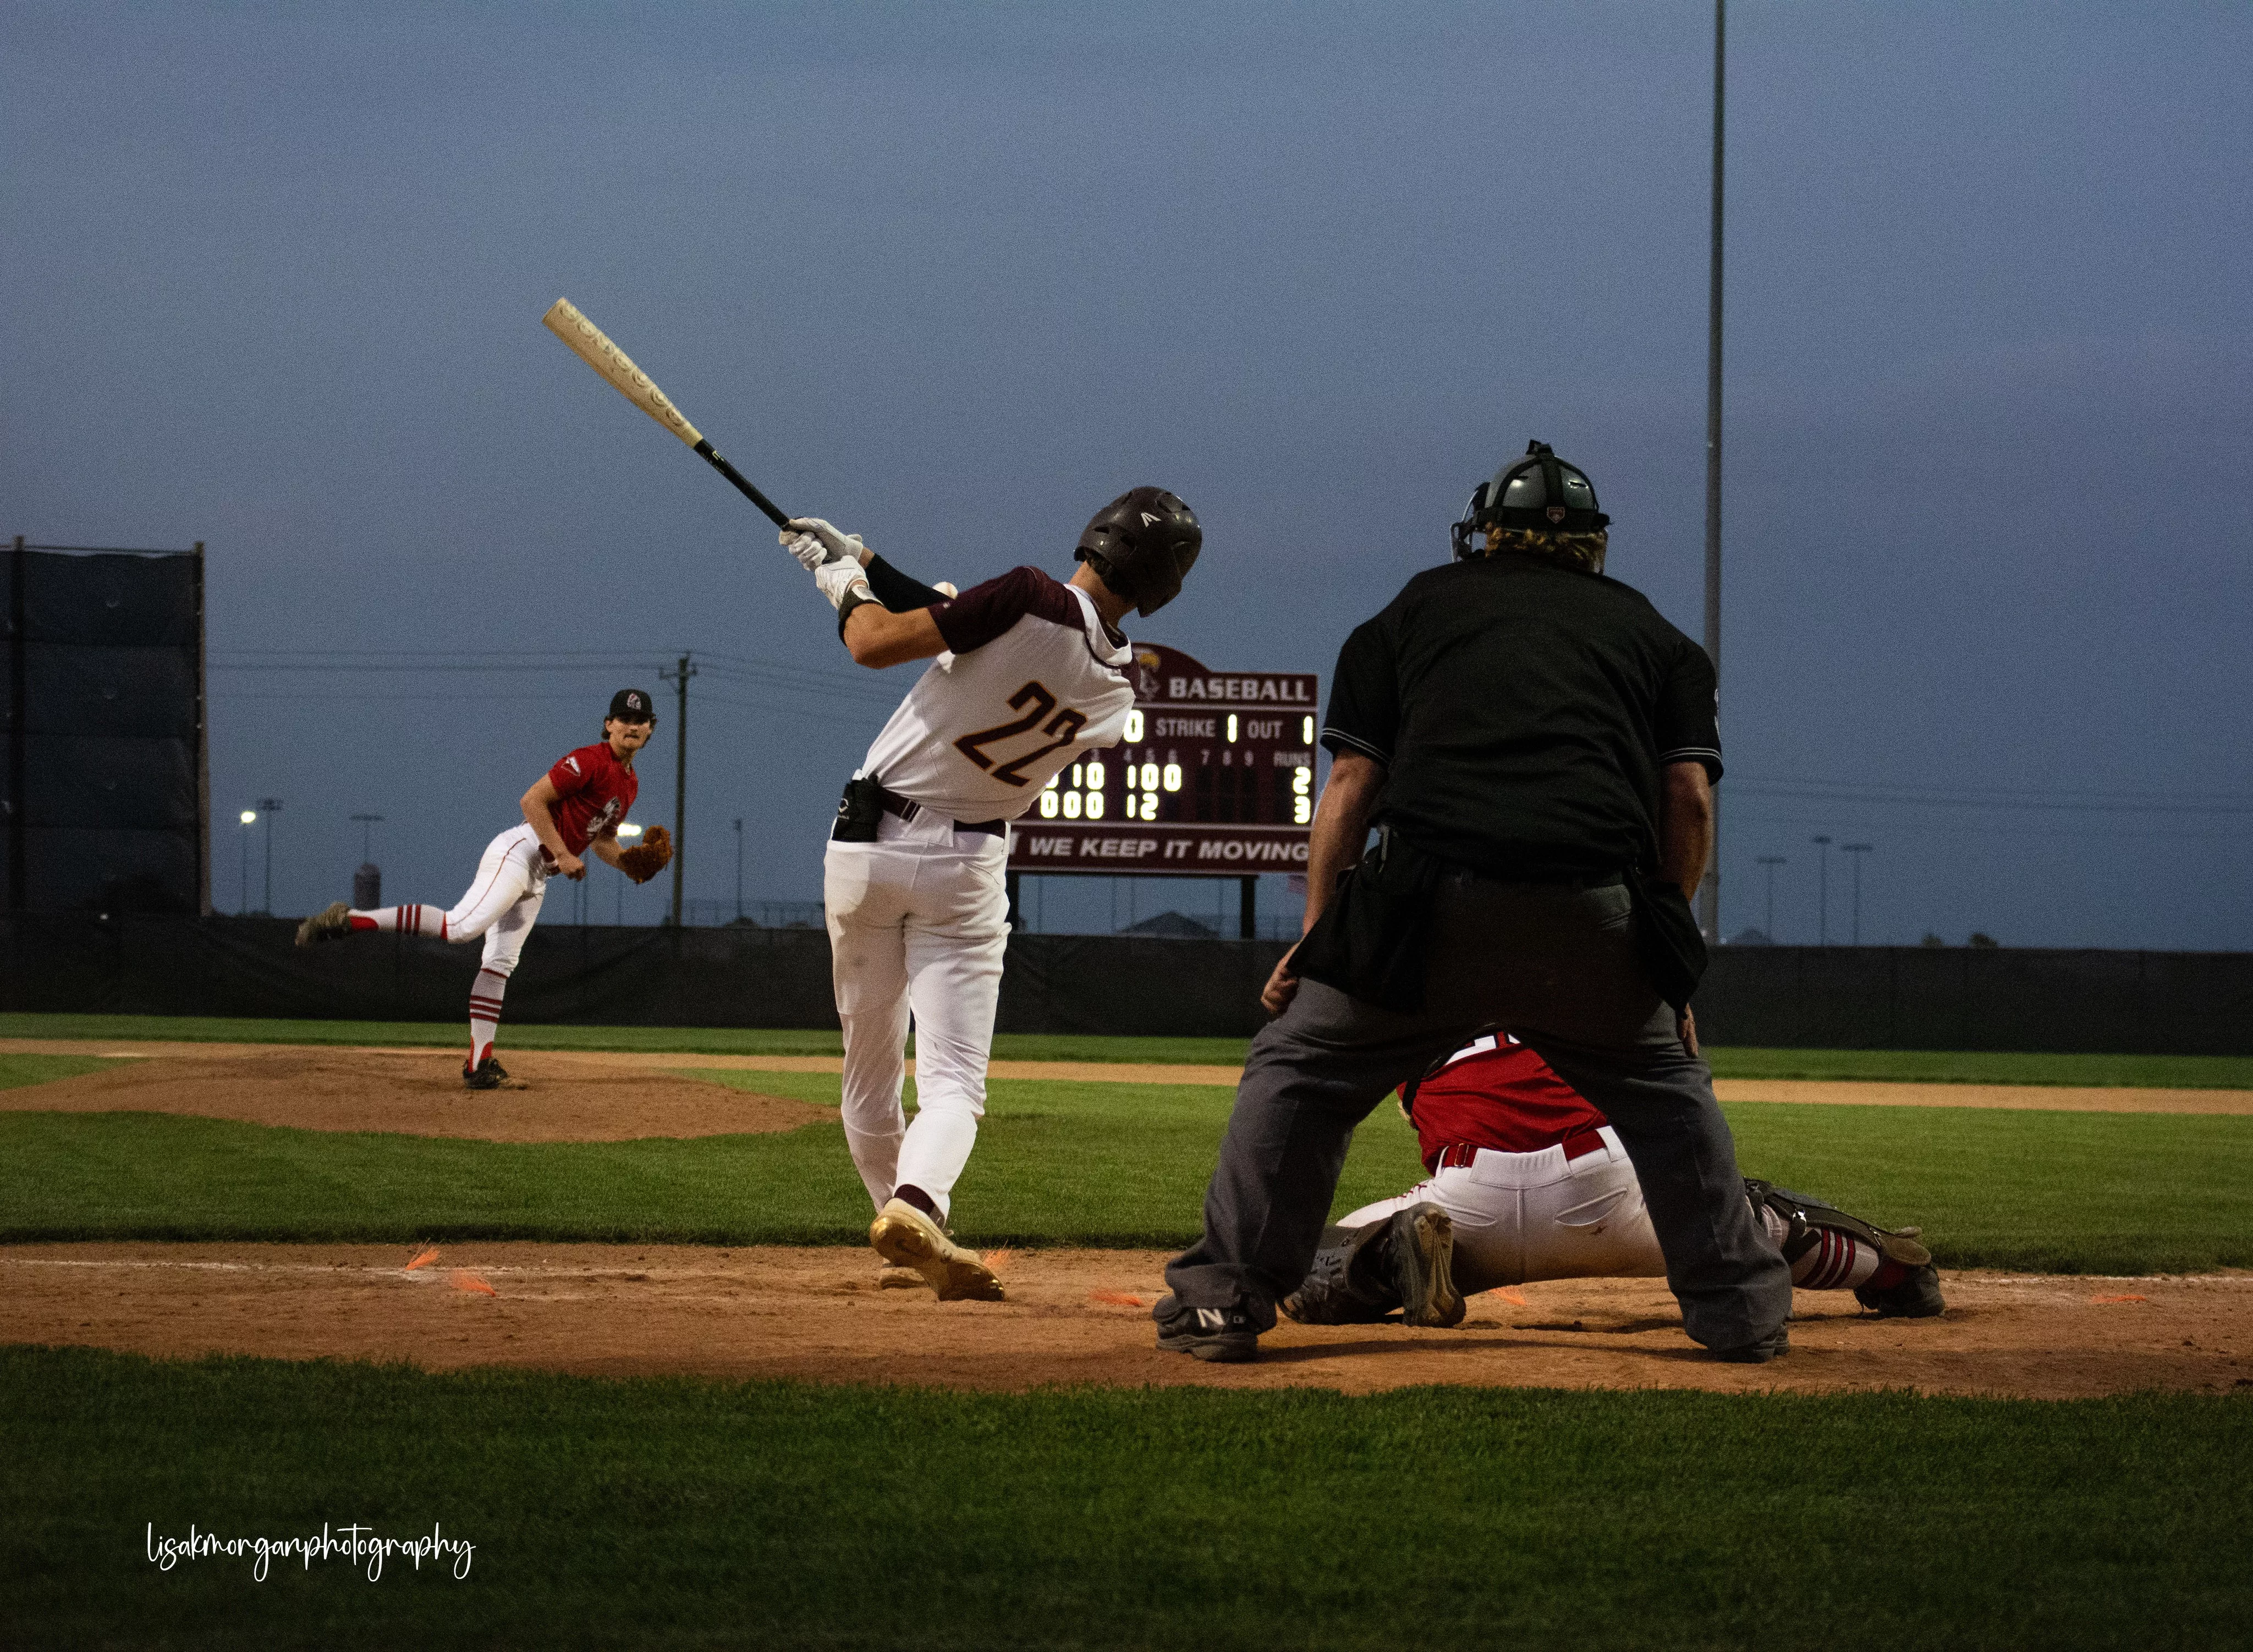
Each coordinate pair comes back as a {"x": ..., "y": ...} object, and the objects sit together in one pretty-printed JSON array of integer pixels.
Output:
[
  {"x": 893, "y": 1276},
  {"x": 332, "y": 923},
  {"x": 489, "y": 1074},
  {"x": 905, "y": 1237}
]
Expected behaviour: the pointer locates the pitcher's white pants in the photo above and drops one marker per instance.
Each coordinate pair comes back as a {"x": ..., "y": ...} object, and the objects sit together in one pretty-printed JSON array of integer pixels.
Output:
[
  {"x": 1537, "y": 1216},
  {"x": 501, "y": 903},
  {"x": 918, "y": 921}
]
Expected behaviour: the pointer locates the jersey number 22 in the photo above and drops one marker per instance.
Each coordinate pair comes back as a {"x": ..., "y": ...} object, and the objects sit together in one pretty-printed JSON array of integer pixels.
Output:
[{"x": 1066, "y": 725}]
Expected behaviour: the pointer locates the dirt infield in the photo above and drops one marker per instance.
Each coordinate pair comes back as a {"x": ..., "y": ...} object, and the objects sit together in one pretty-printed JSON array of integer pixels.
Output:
[
  {"x": 592, "y": 1064},
  {"x": 419, "y": 1093},
  {"x": 1073, "y": 1316}
]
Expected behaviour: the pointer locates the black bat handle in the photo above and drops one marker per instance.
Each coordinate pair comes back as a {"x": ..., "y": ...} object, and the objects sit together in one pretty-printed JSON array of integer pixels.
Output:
[{"x": 744, "y": 485}]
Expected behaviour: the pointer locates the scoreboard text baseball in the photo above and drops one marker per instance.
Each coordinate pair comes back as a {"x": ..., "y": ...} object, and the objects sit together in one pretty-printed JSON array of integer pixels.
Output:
[{"x": 1215, "y": 775}]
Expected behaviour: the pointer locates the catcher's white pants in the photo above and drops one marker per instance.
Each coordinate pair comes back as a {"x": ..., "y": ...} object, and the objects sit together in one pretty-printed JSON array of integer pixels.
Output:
[
  {"x": 503, "y": 901},
  {"x": 918, "y": 921},
  {"x": 1537, "y": 1215}
]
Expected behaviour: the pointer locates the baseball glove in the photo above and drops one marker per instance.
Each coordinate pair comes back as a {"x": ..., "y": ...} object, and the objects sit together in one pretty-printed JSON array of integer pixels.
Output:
[{"x": 649, "y": 857}]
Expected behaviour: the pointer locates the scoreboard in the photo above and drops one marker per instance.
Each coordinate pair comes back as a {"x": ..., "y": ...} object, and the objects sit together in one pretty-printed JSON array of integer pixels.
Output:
[{"x": 1214, "y": 778}]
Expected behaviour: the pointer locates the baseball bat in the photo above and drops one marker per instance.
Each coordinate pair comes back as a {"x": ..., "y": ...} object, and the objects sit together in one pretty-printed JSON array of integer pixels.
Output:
[{"x": 594, "y": 347}]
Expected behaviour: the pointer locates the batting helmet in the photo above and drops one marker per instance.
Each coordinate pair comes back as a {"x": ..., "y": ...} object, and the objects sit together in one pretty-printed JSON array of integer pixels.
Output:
[
  {"x": 1143, "y": 544},
  {"x": 1539, "y": 492}
]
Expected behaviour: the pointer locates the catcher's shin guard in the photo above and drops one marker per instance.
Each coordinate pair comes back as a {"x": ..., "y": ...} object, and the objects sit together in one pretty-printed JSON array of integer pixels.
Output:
[
  {"x": 1361, "y": 1275},
  {"x": 1827, "y": 1248}
]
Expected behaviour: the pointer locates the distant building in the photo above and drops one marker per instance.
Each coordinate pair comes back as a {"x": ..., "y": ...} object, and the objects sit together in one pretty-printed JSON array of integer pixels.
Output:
[
  {"x": 1751, "y": 937},
  {"x": 1172, "y": 924}
]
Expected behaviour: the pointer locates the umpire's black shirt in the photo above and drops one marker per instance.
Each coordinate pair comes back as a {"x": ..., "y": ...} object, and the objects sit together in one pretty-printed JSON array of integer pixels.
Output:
[{"x": 1523, "y": 711}]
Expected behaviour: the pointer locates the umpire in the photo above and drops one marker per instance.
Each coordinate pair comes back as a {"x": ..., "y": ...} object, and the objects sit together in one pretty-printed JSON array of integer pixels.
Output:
[{"x": 1536, "y": 749}]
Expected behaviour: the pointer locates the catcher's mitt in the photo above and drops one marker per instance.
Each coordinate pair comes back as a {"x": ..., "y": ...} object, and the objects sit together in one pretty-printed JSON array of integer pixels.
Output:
[{"x": 649, "y": 857}]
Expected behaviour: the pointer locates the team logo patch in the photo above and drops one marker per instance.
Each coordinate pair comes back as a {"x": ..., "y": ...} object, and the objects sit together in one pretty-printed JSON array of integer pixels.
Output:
[
  {"x": 1556, "y": 512},
  {"x": 1149, "y": 520},
  {"x": 573, "y": 765}
]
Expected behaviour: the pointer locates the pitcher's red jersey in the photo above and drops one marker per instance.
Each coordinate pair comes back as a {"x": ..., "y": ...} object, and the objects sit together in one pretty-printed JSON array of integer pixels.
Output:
[{"x": 593, "y": 791}]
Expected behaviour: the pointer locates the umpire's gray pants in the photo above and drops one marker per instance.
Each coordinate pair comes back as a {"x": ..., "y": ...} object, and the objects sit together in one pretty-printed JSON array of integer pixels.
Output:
[{"x": 1558, "y": 967}]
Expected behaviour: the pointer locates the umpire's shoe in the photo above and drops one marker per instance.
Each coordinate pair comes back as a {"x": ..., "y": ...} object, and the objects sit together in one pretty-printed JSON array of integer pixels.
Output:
[
  {"x": 332, "y": 923},
  {"x": 906, "y": 1236},
  {"x": 1774, "y": 1345},
  {"x": 1224, "y": 1335}
]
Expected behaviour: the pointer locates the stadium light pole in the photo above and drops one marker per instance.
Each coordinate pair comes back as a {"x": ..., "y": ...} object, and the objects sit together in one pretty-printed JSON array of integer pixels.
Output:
[
  {"x": 679, "y": 675},
  {"x": 627, "y": 831},
  {"x": 1771, "y": 862},
  {"x": 250, "y": 818},
  {"x": 366, "y": 823},
  {"x": 1822, "y": 895},
  {"x": 270, "y": 807},
  {"x": 1709, "y": 916},
  {"x": 739, "y": 868},
  {"x": 1857, "y": 850}
]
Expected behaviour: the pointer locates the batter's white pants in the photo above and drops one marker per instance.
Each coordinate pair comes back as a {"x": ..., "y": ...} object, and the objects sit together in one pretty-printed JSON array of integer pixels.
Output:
[
  {"x": 1537, "y": 1216},
  {"x": 918, "y": 921}
]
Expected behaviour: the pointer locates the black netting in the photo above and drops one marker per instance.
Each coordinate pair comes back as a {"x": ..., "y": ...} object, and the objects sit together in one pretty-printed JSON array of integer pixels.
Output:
[{"x": 102, "y": 778}]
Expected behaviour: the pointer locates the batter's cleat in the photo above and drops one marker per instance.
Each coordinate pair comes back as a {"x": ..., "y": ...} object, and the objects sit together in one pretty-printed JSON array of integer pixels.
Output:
[
  {"x": 1423, "y": 1260},
  {"x": 893, "y": 1276},
  {"x": 1222, "y": 1335},
  {"x": 332, "y": 923},
  {"x": 905, "y": 1235},
  {"x": 1915, "y": 1298},
  {"x": 1776, "y": 1345},
  {"x": 489, "y": 1074}
]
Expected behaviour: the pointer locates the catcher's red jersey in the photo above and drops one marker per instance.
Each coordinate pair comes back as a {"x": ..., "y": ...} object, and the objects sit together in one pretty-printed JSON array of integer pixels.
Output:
[
  {"x": 1494, "y": 1092},
  {"x": 593, "y": 791}
]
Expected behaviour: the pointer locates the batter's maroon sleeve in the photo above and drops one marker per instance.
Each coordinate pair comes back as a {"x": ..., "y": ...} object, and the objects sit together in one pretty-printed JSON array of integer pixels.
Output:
[{"x": 983, "y": 612}]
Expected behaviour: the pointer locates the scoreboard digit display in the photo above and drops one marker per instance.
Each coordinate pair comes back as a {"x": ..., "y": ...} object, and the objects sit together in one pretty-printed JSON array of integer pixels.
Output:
[{"x": 1214, "y": 778}]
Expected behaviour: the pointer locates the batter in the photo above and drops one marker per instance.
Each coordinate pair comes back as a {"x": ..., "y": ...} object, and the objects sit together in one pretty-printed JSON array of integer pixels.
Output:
[
  {"x": 1027, "y": 678},
  {"x": 572, "y": 810}
]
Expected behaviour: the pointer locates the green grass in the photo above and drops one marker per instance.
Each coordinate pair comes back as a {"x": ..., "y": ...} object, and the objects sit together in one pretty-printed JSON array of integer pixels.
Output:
[
  {"x": 1988, "y": 1067},
  {"x": 18, "y": 1070},
  {"x": 1971, "y": 1067},
  {"x": 678, "y": 1513},
  {"x": 1095, "y": 1164}
]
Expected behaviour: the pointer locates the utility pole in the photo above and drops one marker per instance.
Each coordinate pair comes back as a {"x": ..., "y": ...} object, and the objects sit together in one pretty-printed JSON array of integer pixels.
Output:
[
  {"x": 270, "y": 808},
  {"x": 1823, "y": 896},
  {"x": 739, "y": 868},
  {"x": 367, "y": 826},
  {"x": 679, "y": 675},
  {"x": 1857, "y": 850},
  {"x": 1771, "y": 862},
  {"x": 1709, "y": 915}
]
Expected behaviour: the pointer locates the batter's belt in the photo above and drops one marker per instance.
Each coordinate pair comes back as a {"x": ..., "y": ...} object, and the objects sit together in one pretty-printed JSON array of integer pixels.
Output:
[{"x": 864, "y": 798}]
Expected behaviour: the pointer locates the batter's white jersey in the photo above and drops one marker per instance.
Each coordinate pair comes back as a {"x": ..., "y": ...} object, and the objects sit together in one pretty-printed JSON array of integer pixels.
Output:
[{"x": 1032, "y": 679}]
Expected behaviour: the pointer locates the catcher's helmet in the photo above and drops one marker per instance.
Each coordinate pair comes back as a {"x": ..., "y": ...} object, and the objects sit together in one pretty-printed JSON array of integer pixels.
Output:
[
  {"x": 1539, "y": 492},
  {"x": 1143, "y": 544}
]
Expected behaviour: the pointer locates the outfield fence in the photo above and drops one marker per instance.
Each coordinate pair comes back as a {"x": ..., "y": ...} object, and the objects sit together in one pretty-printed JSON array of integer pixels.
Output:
[{"x": 1837, "y": 997}]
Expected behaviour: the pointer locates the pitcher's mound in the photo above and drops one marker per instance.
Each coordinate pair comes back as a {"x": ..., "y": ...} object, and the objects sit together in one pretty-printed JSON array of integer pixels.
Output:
[{"x": 421, "y": 1093}]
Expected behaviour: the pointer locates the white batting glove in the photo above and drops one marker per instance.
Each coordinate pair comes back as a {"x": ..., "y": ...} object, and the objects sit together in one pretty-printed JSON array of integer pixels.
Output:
[
  {"x": 840, "y": 578},
  {"x": 814, "y": 541},
  {"x": 947, "y": 588}
]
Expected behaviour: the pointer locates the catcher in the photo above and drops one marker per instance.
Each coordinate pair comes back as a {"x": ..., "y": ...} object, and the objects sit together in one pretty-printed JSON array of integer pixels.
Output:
[
  {"x": 1529, "y": 1182},
  {"x": 575, "y": 809}
]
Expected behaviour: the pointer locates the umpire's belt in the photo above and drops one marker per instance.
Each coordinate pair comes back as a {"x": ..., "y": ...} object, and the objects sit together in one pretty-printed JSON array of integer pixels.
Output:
[{"x": 907, "y": 809}]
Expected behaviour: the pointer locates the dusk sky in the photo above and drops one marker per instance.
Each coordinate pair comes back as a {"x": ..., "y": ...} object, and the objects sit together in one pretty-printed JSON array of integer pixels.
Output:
[{"x": 955, "y": 276}]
